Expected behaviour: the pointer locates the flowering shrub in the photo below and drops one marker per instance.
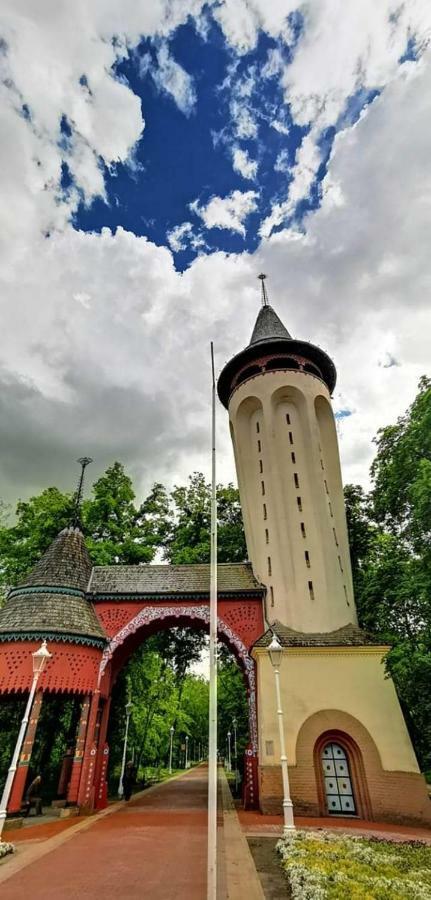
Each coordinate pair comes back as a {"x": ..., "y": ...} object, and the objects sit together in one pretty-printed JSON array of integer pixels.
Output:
[
  {"x": 324, "y": 866},
  {"x": 5, "y": 849}
]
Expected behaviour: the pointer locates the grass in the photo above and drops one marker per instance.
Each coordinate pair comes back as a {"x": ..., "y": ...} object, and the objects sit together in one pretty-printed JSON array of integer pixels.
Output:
[{"x": 324, "y": 866}]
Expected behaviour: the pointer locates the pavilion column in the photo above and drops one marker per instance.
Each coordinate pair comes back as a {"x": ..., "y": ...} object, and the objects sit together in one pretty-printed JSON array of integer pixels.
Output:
[
  {"x": 86, "y": 782},
  {"x": 19, "y": 783},
  {"x": 101, "y": 787},
  {"x": 78, "y": 758}
]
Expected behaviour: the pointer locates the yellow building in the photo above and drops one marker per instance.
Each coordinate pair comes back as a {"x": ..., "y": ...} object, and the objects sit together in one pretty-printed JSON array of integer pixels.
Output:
[{"x": 348, "y": 748}]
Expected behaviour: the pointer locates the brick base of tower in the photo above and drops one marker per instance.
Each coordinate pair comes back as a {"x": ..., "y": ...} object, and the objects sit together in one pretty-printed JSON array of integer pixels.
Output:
[{"x": 338, "y": 697}]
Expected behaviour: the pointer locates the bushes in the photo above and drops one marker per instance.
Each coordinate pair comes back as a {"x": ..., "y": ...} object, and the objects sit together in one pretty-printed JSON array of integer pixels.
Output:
[
  {"x": 320, "y": 865},
  {"x": 6, "y": 848}
]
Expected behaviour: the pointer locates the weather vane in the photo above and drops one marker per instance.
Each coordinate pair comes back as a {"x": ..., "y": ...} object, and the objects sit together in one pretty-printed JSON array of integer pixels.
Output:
[
  {"x": 84, "y": 461},
  {"x": 261, "y": 278}
]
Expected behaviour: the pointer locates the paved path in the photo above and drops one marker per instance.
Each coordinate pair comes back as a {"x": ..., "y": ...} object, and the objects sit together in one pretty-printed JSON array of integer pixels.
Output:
[
  {"x": 154, "y": 847},
  {"x": 254, "y": 824}
]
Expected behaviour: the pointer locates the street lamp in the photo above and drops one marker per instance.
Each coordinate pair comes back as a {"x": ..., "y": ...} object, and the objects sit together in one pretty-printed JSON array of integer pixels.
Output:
[
  {"x": 235, "y": 753},
  {"x": 171, "y": 731},
  {"x": 229, "y": 758},
  {"x": 275, "y": 651},
  {"x": 123, "y": 762},
  {"x": 187, "y": 751},
  {"x": 40, "y": 657}
]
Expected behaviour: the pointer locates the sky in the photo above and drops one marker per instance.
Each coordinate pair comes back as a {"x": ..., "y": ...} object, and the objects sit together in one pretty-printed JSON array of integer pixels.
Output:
[{"x": 154, "y": 158}]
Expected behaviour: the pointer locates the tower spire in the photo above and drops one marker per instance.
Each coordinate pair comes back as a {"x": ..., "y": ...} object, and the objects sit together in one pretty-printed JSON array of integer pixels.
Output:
[
  {"x": 261, "y": 278},
  {"x": 83, "y": 461}
]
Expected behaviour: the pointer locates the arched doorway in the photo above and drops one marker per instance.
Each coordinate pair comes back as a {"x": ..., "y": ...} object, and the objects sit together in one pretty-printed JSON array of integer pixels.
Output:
[
  {"x": 340, "y": 775},
  {"x": 338, "y": 785},
  {"x": 146, "y": 622}
]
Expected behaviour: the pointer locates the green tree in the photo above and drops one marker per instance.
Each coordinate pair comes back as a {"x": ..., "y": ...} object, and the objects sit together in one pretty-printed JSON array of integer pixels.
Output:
[{"x": 189, "y": 539}]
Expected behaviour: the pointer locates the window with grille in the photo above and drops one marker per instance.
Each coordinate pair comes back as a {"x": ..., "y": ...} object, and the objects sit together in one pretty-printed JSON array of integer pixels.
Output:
[{"x": 339, "y": 794}]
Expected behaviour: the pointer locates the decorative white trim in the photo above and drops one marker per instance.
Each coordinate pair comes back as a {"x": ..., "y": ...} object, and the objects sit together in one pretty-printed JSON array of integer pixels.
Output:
[{"x": 152, "y": 614}]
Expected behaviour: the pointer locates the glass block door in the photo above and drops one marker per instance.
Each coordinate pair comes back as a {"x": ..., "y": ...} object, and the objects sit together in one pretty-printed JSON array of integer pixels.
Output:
[{"x": 338, "y": 783}]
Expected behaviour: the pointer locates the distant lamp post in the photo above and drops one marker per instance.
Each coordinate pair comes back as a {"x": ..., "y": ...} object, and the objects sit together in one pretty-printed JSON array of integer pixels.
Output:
[
  {"x": 275, "y": 651},
  {"x": 235, "y": 752},
  {"x": 123, "y": 762},
  {"x": 40, "y": 657},
  {"x": 229, "y": 758},
  {"x": 187, "y": 752},
  {"x": 171, "y": 732}
]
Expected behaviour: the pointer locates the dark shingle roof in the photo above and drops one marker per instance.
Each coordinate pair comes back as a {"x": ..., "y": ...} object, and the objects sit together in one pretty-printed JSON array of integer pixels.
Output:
[
  {"x": 65, "y": 563},
  {"x": 347, "y": 636},
  {"x": 268, "y": 326},
  {"x": 51, "y": 599},
  {"x": 194, "y": 579}
]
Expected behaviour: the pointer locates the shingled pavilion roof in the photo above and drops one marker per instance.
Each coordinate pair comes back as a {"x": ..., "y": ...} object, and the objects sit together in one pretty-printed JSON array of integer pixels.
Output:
[
  {"x": 348, "y": 636},
  {"x": 181, "y": 581},
  {"x": 51, "y": 601}
]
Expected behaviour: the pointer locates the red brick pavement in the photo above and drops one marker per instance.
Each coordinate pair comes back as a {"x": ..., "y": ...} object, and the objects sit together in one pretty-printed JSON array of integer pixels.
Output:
[{"x": 154, "y": 847}]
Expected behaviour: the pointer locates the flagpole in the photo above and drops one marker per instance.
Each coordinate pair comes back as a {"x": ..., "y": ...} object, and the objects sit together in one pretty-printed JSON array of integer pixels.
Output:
[{"x": 212, "y": 743}]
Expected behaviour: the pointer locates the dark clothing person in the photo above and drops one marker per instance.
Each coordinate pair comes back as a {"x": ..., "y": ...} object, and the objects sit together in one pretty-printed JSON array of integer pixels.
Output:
[
  {"x": 33, "y": 798},
  {"x": 128, "y": 780}
]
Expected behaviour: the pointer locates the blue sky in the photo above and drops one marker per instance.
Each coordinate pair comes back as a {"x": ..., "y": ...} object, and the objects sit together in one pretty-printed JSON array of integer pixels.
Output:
[{"x": 155, "y": 157}]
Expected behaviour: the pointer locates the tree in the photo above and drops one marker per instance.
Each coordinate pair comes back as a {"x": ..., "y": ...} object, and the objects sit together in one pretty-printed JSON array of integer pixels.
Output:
[
  {"x": 189, "y": 539},
  {"x": 114, "y": 532}
]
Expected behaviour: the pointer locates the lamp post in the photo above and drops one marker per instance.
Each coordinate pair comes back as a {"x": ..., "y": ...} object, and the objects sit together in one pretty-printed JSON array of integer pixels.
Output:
[
  {"x": 275, "y": 651},
  {"x": 171, "y": 732},
  {"x": 229, "y": 758},
  {"x": 187, "y": 751},
  {"x": 123, "y": 762},
  {"x": 235, "y": 753},
  {"x": 39, "y": 659}
]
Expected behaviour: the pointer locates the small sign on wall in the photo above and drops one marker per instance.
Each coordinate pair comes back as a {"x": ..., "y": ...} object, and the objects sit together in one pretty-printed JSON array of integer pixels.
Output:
[{"x": 269, "y": 748}]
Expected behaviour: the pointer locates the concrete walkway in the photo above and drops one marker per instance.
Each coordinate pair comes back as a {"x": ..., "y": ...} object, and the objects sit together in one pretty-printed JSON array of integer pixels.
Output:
[{"x": 154, "y": 847}]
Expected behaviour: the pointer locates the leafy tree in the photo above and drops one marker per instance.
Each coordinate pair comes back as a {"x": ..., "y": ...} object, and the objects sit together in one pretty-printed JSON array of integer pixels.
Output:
[
  {"x": 189, "y": 540},
  {"x": 114, "y": 533}
]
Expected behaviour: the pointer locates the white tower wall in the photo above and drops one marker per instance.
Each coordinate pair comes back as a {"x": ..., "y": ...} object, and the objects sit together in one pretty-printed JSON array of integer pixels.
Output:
[{"x": 289, "y": 477}]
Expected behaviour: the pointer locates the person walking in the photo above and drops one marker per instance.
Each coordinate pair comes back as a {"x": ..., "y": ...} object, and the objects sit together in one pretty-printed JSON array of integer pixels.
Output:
[
  {"x": 33, "y": 798},
  {"x": 128, "y": 779}
]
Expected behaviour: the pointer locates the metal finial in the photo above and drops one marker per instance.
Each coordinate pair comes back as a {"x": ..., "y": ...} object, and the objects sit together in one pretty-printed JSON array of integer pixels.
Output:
[
  {"x": 261, "y": 278},
  {"x": 84, "y": 461}
]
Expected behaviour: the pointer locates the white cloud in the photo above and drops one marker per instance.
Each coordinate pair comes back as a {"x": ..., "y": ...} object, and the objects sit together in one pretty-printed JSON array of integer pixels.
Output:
[
  {"x": 243, "y": 164},
  {"x": 183, "y": 236},
  {"x": 282, "y": 162},
  {"x": 303, "y": 174},
  {"x": 171, "y": 78},
  {"x": 227, "y": 212}
]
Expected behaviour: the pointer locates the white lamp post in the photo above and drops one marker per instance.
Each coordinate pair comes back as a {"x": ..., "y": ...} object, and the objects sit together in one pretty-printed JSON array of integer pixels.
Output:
[
  {"x": 235, "y": 754},
  {"x": 275, "y": 651},
  {"x": 171, "y": 731},
  {"x": 39, "y": 659},
  {"x": 229, "y": 758},
  {"x": 187, "y": 751},
  {"x": 123, "y": 762}
]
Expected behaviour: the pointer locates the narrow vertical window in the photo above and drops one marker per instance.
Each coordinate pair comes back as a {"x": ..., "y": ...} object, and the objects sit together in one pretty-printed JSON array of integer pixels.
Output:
[
  {"x": 307, "y": 559},
  {"x": 303, "y": 530},
  {"x": 296, "y": 480},
  {"x": 293, "y": 457},
  {"x": 290, "y": 437},
  {"x": 341, "y": 564},
  {"x": 264, "y": 511},
  {"x": 271, "y": 591},
  {"x": 288, "y": 418},
  {"x": 299, "y": 502},
  {"x": 321, "y": 464},
  {"x": 260, "y": 466},
  {"x": 263, "y": 487},
  {"x": 335, "y": 536},
  {"x": 269, "y": 566},
  {"x": 266, "y": 535},
  {"x": 311, "y": 591},
  {"x": 259, "y": 446},
  {"x": 345, "y": 594},
  {"x": 330, "y": 509},
  {"x": 257, "y": 427},
  {"x": 326, "y": 486}
]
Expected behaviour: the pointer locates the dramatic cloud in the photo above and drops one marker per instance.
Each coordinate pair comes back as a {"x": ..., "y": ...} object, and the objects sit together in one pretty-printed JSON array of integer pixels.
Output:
[
  {"x": 243, "y": 164},
  {"x": 227, "y": 212}
]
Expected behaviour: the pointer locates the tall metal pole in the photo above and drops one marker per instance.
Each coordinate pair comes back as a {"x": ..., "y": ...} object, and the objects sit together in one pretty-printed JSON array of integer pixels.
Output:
[
  {"x": 187, "y": 752},
  {"x": 170, "y": 749},
  {"x": 235, "y": 753},
  {"x": 123, "y": 762},
  {"x": 289, "y": 824},
  {"x": 212, "y": 739},
  {"x": 229, "y": 756}
]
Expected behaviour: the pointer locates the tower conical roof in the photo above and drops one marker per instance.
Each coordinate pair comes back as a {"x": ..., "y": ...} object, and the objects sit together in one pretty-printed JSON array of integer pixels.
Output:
[
  {"x": 51, "y": 600},
  {"x": 271, "y": 339},
  {"x": 269, "y": 327}
]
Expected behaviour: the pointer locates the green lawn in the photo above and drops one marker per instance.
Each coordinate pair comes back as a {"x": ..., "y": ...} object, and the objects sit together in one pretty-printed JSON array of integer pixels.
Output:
[{"x": 321, "y": 865}]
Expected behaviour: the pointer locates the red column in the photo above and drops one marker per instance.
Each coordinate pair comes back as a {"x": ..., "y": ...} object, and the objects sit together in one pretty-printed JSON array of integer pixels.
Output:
[
  {"x": 86, "y": 782},
  {"x": 101, "y": 787},
  {"x": 20, "y": 779},
  {"x": 250, "y": 788},
  {"x": 75, "y": 775}
]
